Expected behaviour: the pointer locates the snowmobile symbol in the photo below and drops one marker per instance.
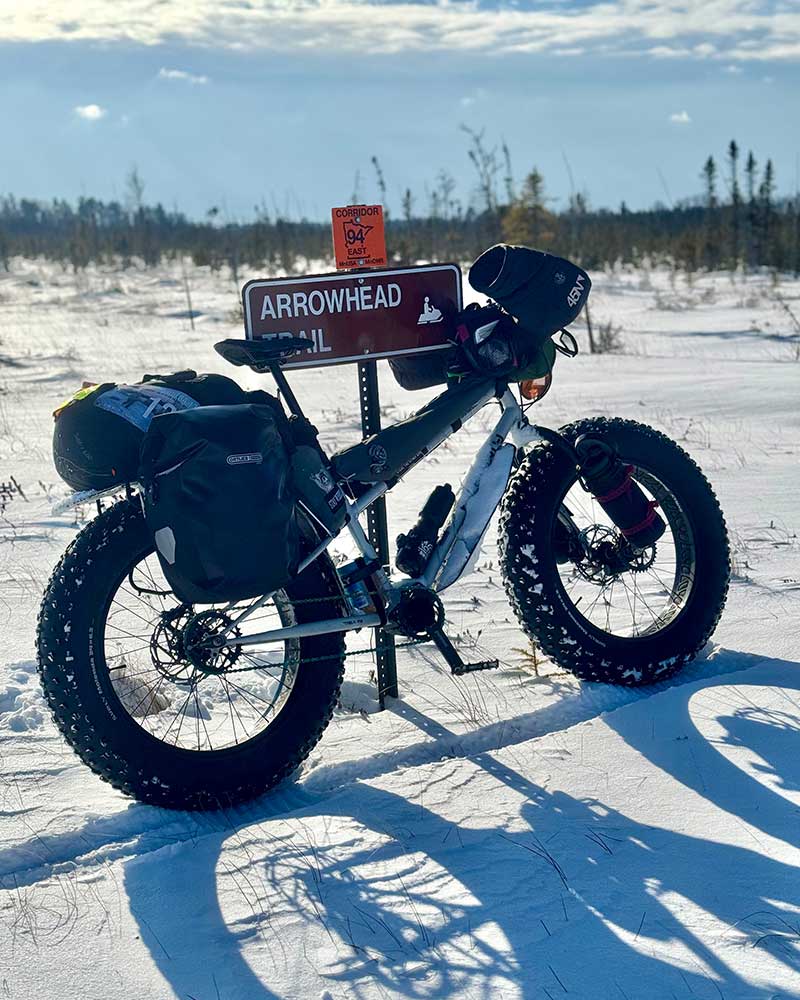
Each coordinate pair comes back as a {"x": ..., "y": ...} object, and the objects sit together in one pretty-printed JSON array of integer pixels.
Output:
[{"x": 429, "y": 314}]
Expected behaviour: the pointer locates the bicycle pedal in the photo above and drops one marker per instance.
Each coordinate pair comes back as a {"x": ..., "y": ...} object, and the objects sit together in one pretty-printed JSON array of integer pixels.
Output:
[
  {"x": 457, "y": 666},
  {"x": 471, "y": 668}
]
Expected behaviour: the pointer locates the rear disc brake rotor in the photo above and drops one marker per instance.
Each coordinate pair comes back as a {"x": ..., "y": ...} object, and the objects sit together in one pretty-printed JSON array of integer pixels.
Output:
[{"x": 204, "y": 657}]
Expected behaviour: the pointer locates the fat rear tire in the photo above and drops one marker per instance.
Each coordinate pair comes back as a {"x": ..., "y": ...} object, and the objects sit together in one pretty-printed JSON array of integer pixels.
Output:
[
  {"x": 91, "y": 717},
  {"x": 533, "y": 583}
]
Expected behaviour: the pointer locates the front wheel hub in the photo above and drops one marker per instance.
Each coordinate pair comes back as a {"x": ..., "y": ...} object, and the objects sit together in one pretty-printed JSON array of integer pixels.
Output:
[{"x": 607, "y": 555}]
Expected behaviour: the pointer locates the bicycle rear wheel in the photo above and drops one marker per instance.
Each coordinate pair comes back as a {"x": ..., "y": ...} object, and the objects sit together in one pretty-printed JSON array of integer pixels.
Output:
[{"x": 152, "y": 710}]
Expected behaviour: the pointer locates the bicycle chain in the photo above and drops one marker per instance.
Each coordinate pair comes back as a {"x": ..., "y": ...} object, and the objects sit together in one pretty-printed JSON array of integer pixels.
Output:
[{"x": 319, "y": 659}]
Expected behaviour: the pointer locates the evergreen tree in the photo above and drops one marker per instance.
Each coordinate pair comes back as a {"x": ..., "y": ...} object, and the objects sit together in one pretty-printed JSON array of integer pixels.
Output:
[
  {"x": 766, "y": 194},
  {"x": 711, "y": 235},
  {"x": 736, "y": 201},
  {"x": 527, "y": 220},
  {"x": 710, "y": 177},
  {"x": 752, "y": 239}
]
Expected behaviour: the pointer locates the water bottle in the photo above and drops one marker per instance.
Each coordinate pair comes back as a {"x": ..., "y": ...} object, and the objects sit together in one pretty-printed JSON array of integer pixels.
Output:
[
  {"x": 415, "y": 548},
  {"x": 354, "y": 577}
]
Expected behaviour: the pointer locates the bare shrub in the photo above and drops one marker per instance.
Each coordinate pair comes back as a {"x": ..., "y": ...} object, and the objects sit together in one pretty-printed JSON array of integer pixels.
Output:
[
  {"x": 608, "y": 338},
  {"x": 794, "y": 339}
]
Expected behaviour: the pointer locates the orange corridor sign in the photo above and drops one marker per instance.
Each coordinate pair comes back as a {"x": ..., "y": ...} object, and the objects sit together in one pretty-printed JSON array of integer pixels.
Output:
[{"x": 358, "y": 236}]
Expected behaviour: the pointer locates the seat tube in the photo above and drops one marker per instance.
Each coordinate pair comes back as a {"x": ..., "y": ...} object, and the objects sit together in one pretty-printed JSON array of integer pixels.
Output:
[
  {"x": 367, "y": 550},
  {"x": 286, "y": 390}
]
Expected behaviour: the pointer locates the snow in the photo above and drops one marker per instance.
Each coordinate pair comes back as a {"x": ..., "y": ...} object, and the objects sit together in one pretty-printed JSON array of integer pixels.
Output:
[{"x": 508, "y": 834}]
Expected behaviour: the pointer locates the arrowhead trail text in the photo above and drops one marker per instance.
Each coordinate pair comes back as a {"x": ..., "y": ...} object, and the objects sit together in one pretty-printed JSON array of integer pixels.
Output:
[{"x": 331, "y": 300}]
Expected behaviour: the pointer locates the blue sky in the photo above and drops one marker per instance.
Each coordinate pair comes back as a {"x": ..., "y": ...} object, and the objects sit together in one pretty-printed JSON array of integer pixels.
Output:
[{"x": 238, "y": 102}]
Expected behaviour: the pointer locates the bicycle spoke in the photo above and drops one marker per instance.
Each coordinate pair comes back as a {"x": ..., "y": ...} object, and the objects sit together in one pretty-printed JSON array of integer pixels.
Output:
[
  {"x": 163, "y": 683},
  {"x": 649, "y": 587}
]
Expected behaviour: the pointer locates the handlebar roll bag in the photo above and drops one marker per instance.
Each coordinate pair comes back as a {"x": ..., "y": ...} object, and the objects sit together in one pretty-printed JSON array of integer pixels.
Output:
[{"x": 542, "y": 292}]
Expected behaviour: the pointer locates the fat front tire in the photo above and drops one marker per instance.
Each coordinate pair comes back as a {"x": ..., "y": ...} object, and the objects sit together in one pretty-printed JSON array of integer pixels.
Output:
[
  {"x": 112, "y": 740},
  {"x": 538, "y": 577}
]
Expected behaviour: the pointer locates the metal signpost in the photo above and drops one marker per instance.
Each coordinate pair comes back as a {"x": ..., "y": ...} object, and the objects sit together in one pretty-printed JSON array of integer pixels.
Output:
[
  {"x": 360, "y": 314},
  {"x": 377, "y": 528}
]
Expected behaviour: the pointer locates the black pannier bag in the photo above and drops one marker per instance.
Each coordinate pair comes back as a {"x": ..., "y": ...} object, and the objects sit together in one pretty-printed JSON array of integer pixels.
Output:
[
  {"x": 542, "y": 292},
  {"x": 219, "y": 502},
  {"x": 98, "y": 433}
]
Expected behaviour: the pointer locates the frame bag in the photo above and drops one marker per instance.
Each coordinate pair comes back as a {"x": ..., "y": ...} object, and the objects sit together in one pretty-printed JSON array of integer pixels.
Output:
[{"x": 219, "y": 502}]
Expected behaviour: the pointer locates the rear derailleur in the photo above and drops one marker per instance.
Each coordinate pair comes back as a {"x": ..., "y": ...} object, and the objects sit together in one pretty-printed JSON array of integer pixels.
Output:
[{"x": 419, "y": 614}]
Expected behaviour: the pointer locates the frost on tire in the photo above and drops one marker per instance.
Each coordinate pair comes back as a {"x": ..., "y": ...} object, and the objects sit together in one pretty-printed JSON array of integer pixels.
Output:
[
  {"x": 536, "y": 586},
  {"x": 91, "y": 712}
]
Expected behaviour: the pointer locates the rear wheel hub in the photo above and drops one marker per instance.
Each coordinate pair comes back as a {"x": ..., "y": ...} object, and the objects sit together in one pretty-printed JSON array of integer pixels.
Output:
[{"x": 198, "y": 644}]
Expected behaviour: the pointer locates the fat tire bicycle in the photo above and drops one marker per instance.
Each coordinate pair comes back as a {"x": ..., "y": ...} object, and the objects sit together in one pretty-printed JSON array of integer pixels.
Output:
[{"x": 198, "y": 707}]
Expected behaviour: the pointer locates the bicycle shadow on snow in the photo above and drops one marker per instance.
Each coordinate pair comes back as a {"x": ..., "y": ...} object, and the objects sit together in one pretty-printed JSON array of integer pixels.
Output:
[
  {"x": 397, "y": 899},
  {"x": 366, "y": 891}
]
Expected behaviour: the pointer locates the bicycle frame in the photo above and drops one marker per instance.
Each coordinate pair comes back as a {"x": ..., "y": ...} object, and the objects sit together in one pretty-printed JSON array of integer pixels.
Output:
[{"x": 512, "y": 424}]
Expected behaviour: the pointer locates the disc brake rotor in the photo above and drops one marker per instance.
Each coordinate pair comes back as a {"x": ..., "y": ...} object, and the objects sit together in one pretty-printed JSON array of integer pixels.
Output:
[
  {"x": 178, "y": 646},
  {"x": 606, "y": 555}
]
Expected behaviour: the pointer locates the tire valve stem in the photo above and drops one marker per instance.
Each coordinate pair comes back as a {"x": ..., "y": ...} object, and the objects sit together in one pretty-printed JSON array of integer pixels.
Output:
[{"x": 610, "y": 481}]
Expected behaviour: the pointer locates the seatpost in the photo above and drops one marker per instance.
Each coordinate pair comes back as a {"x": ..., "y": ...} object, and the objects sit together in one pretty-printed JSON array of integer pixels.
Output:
[
  {"x": 310, "y": 434},
  {"x": 285, "y": 390}
]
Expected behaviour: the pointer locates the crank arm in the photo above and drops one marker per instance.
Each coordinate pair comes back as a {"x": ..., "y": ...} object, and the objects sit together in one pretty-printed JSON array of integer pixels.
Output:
[{"x": 451, "y": 655}]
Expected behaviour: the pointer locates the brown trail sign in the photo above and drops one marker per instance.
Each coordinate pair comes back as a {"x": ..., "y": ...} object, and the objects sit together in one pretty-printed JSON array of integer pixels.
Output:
[{"x": 357, "y": 316}]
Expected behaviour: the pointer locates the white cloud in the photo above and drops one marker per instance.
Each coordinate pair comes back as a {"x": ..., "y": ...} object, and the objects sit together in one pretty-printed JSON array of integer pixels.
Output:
[
  {"x": 180, "y": 74},
  {"x": 90, "y": 112},
  {"x": 469, "y": 100},
  {"x": 731, "y": 30},
  {"x": 733, "y": 69},
  {"x": 668, "y": 52},
  {"x": 680, "y": 118}
]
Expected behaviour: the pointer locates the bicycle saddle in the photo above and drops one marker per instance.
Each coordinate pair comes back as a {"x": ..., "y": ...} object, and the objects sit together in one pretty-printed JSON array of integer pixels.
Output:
[{"x": 260, "y": 354}]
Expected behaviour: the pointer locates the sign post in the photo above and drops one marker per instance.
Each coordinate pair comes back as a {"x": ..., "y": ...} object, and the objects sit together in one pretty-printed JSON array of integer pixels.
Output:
[
  {"x": 359, "y": 316},
  {"x": 377, "y": 529},
  {"x": 359, "y": 241}
]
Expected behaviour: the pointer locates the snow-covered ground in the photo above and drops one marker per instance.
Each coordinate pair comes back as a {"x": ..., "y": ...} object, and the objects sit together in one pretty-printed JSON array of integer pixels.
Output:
[{"x": 511, "y": 834}]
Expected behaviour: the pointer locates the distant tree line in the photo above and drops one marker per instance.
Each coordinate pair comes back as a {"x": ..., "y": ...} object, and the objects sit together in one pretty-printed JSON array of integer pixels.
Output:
[{"x": 737, "y": 221}]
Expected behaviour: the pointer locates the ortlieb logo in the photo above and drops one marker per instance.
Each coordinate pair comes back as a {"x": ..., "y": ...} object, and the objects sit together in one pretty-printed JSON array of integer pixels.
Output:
[{"x": 249, "y": 458}]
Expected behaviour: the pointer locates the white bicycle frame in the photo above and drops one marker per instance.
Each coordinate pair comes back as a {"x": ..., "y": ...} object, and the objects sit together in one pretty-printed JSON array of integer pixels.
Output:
[{"x": 447, "y": 563}]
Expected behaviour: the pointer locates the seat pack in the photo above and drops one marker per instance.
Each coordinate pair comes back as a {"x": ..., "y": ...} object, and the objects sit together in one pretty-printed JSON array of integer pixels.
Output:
[{"x": 99, "y": 431}]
